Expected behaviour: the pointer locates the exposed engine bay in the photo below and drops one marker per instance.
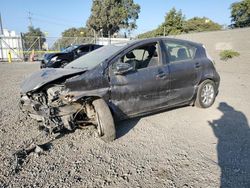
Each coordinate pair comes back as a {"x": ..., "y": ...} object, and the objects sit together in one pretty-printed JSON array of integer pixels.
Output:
[{"x": 52, "y": 107}]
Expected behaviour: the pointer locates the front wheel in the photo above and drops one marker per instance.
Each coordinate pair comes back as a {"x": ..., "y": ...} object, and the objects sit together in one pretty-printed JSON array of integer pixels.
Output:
[
  {"x": 104, "y": 120},
  {"x": 206, "y": 94}
]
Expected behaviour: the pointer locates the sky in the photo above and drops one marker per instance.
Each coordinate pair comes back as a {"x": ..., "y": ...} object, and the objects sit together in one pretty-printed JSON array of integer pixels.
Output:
[{"x": 54, "y": 16}]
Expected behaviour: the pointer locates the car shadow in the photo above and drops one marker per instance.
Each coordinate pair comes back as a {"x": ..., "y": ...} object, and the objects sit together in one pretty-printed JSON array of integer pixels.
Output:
[
  {"x": 233, "y": 148},
  {"x": 123, "y": 127}
]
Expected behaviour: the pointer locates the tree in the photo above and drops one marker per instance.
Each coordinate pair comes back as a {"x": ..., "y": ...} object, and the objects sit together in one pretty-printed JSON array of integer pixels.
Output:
[
  {"x": 33, "y": 39},
  {"x": 73, "y": 36},
  {"x": 109, "y": 16},
  {"x": 197, "y": 24},
  {"x": 173, "y": 25},
  {"x": 148, "y": 34},
  {"x": 76, "y": 32},
  {"x": 240, "y": 14}
]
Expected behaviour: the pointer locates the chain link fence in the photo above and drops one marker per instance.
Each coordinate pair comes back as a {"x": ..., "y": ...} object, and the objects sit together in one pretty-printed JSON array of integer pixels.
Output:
[
  {"x": 11, "y": 47},
  {"x": 33, "y": 48}
]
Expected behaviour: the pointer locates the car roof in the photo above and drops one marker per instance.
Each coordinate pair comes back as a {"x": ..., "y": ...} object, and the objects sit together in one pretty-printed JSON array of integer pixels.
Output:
[
  {"x": 164, "y": 38},
  {"x": 147, "y": 40},
  {"x": 87, "y": 44}
]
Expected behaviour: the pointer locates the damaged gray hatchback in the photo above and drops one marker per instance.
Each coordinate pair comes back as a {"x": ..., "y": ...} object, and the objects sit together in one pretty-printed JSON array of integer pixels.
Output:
[{"x": 121, "y": 81}]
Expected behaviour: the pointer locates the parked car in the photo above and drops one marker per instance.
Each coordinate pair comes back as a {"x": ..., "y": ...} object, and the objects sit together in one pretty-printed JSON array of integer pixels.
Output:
[
  {"x": 60, "y": 59},
  {"x": 121, "y": 81}
]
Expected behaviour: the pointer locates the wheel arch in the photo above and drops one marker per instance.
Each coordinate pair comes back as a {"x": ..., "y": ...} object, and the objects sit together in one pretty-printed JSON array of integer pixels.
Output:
[
  {"x": 91, "y": 98},
  {"x": 197, "y": 87},
  {"x": 206, "y": 78}
]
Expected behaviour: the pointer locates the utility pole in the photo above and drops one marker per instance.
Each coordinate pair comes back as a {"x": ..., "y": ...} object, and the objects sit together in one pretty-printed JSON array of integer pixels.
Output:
[
  {"x": 109, "y": 37},
  {"x": 30, "y": 18},
  {"x": 1, "y": 25},
  {"x": 94, "y": 37},
  {"x": 1, "y": 33}
]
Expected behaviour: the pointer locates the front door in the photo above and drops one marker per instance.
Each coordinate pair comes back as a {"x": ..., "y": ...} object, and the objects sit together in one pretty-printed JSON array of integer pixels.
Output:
[{"x": 143, "y": 89}]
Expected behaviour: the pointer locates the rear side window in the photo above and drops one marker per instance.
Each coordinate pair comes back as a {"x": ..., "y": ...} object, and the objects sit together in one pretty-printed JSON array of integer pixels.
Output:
[{"x": 178, "y": 51}]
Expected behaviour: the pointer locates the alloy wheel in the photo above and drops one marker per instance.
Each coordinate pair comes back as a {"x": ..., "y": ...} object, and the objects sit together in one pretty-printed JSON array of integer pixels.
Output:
[{"x": 207, "y": 94}]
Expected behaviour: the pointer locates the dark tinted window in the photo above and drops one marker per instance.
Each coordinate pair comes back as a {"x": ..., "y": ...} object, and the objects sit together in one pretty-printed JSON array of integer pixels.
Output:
[
  {"x": 69, "y": 49},
  {"x": 84, "y": 49},
  {"x": 178, "y": 51},
  {"x": 96, "y": 46},
  {"x": 95, "y": 57}
]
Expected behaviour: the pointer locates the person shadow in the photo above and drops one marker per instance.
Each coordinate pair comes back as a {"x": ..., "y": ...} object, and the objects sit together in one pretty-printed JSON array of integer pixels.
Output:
[{"x": 233, "y": 134}]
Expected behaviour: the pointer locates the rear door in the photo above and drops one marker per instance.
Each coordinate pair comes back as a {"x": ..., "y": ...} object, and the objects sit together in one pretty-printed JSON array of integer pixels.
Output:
[
  {"x": 185, "y": 70},
  {"x": 144, "y": 89}
]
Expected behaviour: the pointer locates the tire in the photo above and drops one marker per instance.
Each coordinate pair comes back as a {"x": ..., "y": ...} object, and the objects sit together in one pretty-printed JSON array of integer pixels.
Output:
[
  {"x": 105, "y": 121},
  {"x": 64, "y": 63},
  {"x": 206, "y": 94}
]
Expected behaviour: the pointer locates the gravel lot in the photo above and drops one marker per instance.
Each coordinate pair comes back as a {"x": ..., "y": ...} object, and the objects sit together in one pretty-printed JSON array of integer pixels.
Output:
[{"x": 185, "y": 147}]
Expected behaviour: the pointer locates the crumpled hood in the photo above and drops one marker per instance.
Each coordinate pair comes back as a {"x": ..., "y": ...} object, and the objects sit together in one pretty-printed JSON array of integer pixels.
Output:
[{"x": 45, "y": 76}]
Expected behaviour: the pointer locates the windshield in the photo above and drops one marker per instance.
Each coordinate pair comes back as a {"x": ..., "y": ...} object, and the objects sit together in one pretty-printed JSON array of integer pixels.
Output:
[
  {"x": 69, "y": 49},
  {"x": 95, "y": 57}
]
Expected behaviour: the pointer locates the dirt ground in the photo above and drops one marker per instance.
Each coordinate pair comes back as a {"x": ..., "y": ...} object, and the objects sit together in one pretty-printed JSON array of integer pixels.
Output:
[{"x": 184, "y": 147}]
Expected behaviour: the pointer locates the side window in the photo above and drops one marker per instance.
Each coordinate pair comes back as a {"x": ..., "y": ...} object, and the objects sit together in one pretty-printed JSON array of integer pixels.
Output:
[
  {"x": 141, "y": 57},
  {"x": 178, "y": 51},
  {"x": 136, "y": 54},
  {"x": 84, "y": 49}
]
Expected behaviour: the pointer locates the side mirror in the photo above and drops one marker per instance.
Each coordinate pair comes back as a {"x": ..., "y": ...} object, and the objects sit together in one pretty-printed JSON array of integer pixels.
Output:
[
  {"x": 78, "y": 51},
  {"x": 122, "y": 68}
]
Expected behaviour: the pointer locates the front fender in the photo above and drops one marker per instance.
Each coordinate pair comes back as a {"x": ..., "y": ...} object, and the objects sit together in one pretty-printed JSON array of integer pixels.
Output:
[{"x": 96, "y": 93}]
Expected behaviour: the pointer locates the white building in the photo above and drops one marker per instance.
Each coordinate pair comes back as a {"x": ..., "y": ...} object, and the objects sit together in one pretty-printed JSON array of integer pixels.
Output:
[
  {"x": 106, "y": 41},
  {"x": 11, "y": 43}
]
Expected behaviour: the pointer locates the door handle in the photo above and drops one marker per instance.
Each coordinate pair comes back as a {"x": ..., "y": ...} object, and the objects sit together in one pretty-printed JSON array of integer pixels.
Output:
[
  {"x": 197, "y": 65},
  {"x": 161, "y": 75}
]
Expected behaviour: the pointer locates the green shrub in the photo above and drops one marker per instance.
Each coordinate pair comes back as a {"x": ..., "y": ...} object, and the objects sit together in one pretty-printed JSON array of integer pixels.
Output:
[{"x": 228, "y": 54}]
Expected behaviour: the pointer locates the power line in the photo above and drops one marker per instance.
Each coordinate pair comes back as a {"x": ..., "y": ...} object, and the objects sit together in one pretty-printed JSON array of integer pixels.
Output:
[
  {"x": 52, "y": 22},
  {"x": 55, "y": 19}
]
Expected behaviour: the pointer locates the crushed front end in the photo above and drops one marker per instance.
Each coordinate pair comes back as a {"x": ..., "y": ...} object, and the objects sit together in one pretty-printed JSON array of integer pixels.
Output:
[{"x": 52, "y": 107}]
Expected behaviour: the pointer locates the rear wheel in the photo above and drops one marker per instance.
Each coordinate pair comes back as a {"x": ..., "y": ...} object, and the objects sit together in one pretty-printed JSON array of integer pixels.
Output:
[
  {"x": 206, "y": 94},
  {"x": 105, "y": 123}
]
